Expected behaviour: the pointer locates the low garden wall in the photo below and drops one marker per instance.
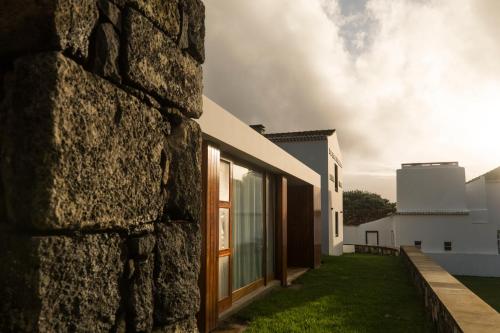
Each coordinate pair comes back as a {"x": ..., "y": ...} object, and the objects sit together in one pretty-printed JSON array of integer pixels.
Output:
[
  {"x": 452, "y": 307},
  {"x": 373, "y": 249}
]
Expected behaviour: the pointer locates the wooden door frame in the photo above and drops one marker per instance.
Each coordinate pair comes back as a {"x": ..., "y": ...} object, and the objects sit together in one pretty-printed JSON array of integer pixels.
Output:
[{"x": 226, "y": 303}]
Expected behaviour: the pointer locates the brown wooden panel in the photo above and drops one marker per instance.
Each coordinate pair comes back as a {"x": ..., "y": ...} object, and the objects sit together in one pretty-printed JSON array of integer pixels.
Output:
[
  {"x": 300, "y": 226},
  {"x": 208, "y": 281},
  {"x": 281, "y": 228}
]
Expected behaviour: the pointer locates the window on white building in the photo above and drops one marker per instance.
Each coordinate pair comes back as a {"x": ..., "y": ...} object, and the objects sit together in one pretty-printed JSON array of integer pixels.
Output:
[
  {"x": 418, "y": 244},
  {"x": 336, "y": 178},
  {"x": 447, "y": 246},
  {"x": 336, "y": 224},
  {"x": 498, "y": 241}
]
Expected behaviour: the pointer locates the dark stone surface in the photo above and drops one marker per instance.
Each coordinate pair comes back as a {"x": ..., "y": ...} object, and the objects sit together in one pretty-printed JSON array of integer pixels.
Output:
[
  {"x": 81, "y": 153},
  {"x": 59, "y": 283},
  {"x": 184, "y": 180},
  {"x": 141, "y": 296},
  {"x": 141, "y": 247},
  {"x": 29, "y": 26},
  {"x": 185, "y": 326},
  {"x": 177, "y": 265},
  {"x": 164, "y": 14},
  {"x": 111, "y": 12},
  {"x": 156, "y": 65},
  {"x": 195, "y": 10},
  {"x": 106, "y": 52}
]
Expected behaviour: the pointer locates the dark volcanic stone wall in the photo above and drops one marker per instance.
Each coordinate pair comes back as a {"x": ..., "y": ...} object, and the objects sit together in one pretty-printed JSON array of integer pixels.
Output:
[{"x": 100, "y": 187}]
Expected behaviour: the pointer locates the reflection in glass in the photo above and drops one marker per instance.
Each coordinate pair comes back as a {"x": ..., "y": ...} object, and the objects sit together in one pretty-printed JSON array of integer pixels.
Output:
[
  {"x": 223, "y": 228},
  {"x": 223, "y": 277},
  {"x": 224, "y": 181},
  {"x": 248, "y": 238}
]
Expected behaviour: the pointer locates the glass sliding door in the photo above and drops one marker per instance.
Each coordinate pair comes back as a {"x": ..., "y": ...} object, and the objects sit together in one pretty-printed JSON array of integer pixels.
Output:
[{"x": 247, "y": 226}]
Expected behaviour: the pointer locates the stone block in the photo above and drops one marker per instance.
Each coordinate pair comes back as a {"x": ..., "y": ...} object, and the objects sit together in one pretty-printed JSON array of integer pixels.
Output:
[
  {"x": 165, "y": 14},
  {"x": 79, "y": 152},
  {"x": 177, "y": 265},
  {"x": 185, "y": 326},
  {"x": 59, "y": 283},
  {"x": 141, "y": 296},
  {"x": 155, "y": 64},
  {"x": 194, "y": 11},
  {"x": 141, "y": 247},
  {"x": 106, "y": 52},
  {"x": 111, "y": 12},
  {"x": 28, "y": 26},
  {"x": 184, "y": 180}
]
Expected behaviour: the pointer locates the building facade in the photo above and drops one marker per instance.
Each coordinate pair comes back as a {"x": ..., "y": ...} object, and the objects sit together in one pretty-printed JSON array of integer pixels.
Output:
[
  {"x": 260, "y": 216},
  {"x": 320, "y": 151},
  {"x": 455, "y": 223}
]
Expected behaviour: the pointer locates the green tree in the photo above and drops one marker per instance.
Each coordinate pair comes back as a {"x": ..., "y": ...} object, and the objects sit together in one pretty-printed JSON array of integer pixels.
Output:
[{"x": 362, "y": 206}]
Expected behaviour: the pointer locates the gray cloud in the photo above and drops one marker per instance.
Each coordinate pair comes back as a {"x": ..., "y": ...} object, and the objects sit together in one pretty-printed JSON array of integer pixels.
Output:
[{"x": 401, "y": 81}]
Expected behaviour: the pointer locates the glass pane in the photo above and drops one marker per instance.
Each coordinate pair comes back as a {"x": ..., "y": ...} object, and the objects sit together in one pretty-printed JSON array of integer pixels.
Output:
[
  {"x": 223, "y": 228},
  {"x": 270, "y": 216},
  {"x": 224, "y": 181},
  {"x": 248, "y": 223},
  {"x": 223, "y": 277}
]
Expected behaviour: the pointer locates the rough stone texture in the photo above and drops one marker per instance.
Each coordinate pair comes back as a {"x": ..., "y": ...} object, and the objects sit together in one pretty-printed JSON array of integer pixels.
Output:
[
  {"x": 185, "y": 326},
  {"x": 92, "y": 156},
  {"x": 141, "y": 247},
  {"x": 195, "y": 12},
  {"x": 164, "y": 14},
  {"x": 31, "y": 26},
  {"x": 451, "y": 306},
  {"x": 106, "y": 52},
  {"x": 156, "y": 65},
  {"x": 59, "y": 283},
  {"x": 177, "y": 265},
  {"x": 184, "y": 180},
  {"x": 111, "y": 12},
  {"x": 141, "y": 295}
]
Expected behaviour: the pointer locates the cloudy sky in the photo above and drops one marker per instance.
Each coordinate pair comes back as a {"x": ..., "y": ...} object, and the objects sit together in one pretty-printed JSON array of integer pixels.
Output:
[{"x": 400, "y": 80}]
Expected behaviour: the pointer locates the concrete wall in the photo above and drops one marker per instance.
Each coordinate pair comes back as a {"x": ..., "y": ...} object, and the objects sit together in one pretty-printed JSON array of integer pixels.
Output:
[
  {"x": 431, "y": 188},
  {"x": 100, "y": 165}
]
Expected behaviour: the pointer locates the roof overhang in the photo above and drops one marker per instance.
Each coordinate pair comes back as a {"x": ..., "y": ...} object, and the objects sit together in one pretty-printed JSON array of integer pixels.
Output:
[{"x": 237, "y": 138}]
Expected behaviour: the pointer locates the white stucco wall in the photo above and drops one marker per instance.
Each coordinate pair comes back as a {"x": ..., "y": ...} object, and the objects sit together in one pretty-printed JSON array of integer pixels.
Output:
[
  {"x": 384, "y": 226},
  {"x": 469, "y": 264},
  {"x": 315, "y": 154},
  {"x": 431, "y": 188},
  {"x": 336, "y": 198},
  {"x": 477, "y": 200}
]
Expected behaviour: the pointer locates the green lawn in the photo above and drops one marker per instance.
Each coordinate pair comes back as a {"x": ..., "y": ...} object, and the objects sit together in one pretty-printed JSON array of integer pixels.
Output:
[
  {"x": 488, "y": 288},
  {"x": 352, "y": 293}
]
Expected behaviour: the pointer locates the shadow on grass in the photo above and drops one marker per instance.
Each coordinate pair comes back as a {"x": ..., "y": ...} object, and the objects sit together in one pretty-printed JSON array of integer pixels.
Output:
[{"x": 352, "y": 293}]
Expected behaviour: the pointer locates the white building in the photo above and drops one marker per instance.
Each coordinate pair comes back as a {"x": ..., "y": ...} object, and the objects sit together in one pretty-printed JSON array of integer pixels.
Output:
[
  {"x": 456, "y": 223},
  {"x": 320, "y": 151}
]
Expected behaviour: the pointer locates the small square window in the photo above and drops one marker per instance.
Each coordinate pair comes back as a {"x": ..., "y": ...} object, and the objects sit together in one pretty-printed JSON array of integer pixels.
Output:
[
  {"x": 418, "y": 244},
  {"x": 447, "y": 246}
]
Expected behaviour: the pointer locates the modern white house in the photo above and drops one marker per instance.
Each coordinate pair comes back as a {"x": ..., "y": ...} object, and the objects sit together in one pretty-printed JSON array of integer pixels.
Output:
[
  {"x": 454, "y": 222},
  {"x": 320, "y": 151},
  {"x": 260, "y": 216}
]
